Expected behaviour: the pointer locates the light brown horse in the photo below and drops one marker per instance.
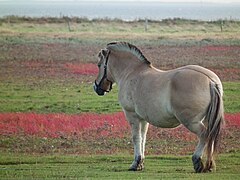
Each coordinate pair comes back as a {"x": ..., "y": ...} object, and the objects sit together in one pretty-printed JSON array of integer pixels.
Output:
[{"x": 190, "y": 95}]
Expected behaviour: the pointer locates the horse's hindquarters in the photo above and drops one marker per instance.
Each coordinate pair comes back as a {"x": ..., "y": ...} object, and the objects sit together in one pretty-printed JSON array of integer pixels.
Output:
[{"x": 190, "y": 96}]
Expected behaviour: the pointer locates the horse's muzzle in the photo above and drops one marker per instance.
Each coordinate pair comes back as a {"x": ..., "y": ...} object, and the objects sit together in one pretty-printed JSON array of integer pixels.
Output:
[{"x": 98, "y": 89}]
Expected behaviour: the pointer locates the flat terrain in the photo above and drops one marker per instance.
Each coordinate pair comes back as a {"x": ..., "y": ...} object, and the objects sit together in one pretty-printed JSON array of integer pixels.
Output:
[
  {"x": 52, "y": 124},
  {"x": 14, "y": 166}
]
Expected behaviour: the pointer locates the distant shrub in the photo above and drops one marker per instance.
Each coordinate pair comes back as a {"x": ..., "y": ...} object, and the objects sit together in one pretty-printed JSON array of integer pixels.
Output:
[{"x": 62, "y": 19}]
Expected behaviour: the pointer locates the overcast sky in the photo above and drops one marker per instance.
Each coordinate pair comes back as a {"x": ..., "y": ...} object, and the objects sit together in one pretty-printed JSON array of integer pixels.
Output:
[
  {"x": 216, "y": 1},
  {"x": 152, "y": 0}
]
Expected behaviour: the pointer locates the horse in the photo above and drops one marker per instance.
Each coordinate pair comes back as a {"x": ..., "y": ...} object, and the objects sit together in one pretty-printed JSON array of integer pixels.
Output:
[{"x": 190, "y": 95}]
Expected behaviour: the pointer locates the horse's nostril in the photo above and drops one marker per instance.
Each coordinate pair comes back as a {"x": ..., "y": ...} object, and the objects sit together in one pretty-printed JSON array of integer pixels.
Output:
[
  {"x": 95, "y": 87},
  {"x": 98, "y": 90}
]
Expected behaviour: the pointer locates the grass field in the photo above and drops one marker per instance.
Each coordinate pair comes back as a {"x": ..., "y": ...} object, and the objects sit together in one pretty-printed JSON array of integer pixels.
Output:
[
  {"x": 56, "y": 98},
  {"x": 109, "y": 167},
  {"x": 73, "y": 98},
  {"x": 52, "y": 124}
]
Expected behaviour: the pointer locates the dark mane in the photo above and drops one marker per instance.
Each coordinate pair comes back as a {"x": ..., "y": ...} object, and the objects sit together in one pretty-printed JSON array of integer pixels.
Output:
[{"x": 124, "y": 46}]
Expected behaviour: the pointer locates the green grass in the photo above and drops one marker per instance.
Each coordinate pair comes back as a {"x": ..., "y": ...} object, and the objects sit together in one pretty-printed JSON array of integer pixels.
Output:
[
  {"x": 53, "y": 97},
  {"x": 22, "y": 166},
  {"x": 231, "y": 97}
]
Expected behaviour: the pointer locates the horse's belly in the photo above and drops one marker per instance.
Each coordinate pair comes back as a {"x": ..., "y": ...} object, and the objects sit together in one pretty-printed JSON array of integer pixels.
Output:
[
  {"x": 163, "y": 122},
  {"x": 158, "y": 115}
]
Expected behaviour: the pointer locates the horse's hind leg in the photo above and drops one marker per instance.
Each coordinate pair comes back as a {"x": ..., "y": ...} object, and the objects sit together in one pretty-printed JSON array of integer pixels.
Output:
[
  {"x": 197, "y": 156},
  {"x": 210, "y": 163},
  {"x": 199, "y": 129}
]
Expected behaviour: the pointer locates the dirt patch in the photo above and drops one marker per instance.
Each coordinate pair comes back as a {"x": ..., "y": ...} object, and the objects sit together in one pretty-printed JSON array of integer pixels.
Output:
[
  {"x": 76, "y": 61},
  {"x": 82, "y": 69}
]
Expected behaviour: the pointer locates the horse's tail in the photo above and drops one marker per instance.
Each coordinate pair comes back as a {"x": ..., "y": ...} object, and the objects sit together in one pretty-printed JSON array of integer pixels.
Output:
[{"x": 215, "y": 119}]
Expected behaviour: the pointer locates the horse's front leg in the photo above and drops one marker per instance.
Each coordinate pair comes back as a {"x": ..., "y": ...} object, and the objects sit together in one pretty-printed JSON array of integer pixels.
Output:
[
  {"x": 137, "y": 141},
  {"x": 144, "y": 129}
]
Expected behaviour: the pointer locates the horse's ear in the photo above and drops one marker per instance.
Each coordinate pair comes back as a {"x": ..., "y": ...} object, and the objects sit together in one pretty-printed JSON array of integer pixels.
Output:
[
  {"x": 100, "y": 54},
  {"x": 104, "y": 52}
]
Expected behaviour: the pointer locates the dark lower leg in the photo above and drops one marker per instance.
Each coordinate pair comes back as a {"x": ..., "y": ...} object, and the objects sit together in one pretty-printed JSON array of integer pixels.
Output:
[
  {"x": 197, "y": 164},
  {"x": 137, "y": 164},
  {"x": 210, "y": 166}
]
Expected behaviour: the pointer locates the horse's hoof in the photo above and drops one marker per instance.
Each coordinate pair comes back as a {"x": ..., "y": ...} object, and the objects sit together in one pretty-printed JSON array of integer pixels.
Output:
[
  {"x": 139, "y": 168},
  {"x": 132, "y": 169},
  {"x": 137, "y": 164},
  {"x": 209, "y": 167},
  {"x": 207, "y": 170},
  {"x": 197, "y": 164}
]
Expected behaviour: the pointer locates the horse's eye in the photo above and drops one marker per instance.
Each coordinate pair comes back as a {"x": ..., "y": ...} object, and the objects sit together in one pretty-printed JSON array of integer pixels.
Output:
[{"x": 99, "y": 65}]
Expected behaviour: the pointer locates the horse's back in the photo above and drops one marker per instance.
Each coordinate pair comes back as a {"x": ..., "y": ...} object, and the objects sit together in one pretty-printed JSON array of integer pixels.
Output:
[
  {"x": 202, "y": 71},
  {"x": 197, "y": 74}
]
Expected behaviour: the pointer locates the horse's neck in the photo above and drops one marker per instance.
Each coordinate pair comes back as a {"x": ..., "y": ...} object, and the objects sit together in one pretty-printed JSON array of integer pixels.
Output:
[{"x": 122, "y": 66}]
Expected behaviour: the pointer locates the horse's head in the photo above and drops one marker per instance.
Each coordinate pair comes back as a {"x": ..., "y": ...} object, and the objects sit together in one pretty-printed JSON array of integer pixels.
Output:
[{"x": 104, "y": 81}]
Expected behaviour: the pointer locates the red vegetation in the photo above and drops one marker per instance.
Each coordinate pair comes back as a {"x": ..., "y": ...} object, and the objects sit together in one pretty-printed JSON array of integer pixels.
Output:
[
  {"x": 232, "y": 120},
  {"x": 84, "y": 125},
  {"x": 231, "y": 74},
  {"x": 56, "y": 125}
]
